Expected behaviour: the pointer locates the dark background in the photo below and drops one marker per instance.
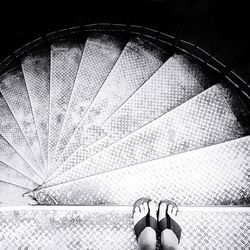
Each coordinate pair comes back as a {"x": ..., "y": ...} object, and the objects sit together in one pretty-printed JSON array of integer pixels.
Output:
[{"x": 220, "y": 27}]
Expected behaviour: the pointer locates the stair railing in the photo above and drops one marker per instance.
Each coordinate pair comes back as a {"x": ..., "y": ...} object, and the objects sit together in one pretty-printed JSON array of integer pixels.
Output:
[{"x": 162, "y": 39}]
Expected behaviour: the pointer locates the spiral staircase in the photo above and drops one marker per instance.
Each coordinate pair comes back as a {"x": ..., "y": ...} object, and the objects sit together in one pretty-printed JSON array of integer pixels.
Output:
[{"x": 89, "y": 126}]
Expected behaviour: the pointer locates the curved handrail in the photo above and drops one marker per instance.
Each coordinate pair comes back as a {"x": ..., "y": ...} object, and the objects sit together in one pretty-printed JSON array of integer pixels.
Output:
[{"x": 162, "y": 38}]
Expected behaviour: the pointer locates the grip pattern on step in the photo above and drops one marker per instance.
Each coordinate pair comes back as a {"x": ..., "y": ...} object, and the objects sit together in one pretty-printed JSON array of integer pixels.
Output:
[
  {"x": 10, "y": 175},
  {"x": 99, "y": 229},
  {"x": 99, "y": 56},
  {"x": 11, "y": 131},
  {"x": 65, "y": 60},
  {"x": 216, "y": 175},
  {"x": 135, "y": 65},
  {"x": 170, "y": 86},
  {"x": 10, "y": 157},
  {"x": 36, "y": 69},
  {"x": 205, "y": 120},
  {"x": 14, "y": 90}
]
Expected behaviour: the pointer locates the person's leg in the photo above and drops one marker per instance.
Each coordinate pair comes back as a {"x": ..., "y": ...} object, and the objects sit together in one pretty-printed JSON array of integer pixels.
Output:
[
  {"x": 169, "y": 240},
  {"x": 147, "y": 238}
]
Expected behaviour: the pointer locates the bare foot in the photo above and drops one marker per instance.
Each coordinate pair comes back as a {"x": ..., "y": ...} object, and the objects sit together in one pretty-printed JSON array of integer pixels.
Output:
[
  {"x": 169, "y": 228},
  {"x": 147, "y": 237}
]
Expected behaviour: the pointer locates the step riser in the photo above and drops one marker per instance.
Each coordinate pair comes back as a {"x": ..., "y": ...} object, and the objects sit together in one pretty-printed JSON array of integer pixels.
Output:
[
  {"x": 173, "y": 84},
  {"x": 204, "y": 120},
  {"x": 36, "y": 70},
  {"x": 65, "y": 60},
  {"x": 99, "y": 55},
  {"x": 134, "y": 66},
  {"x": 113, "y": 229}
]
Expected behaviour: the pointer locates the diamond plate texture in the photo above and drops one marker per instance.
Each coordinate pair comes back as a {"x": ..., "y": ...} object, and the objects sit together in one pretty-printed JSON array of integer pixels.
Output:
[
  {"x": 81, "y": 155},
  {"x": 204, "y": 120},
  {"x": 11, "y": 176},
  {"x": 65, "y": 60},
  {"x": 112, "y": 228},
  {"x": 10, "y": 130},
  {"x": 99, "y": 56},
  {"x": 14, "y": 91},
  {"x": 215, "y": 175},
  {"x": 138, "y": 61},
  {"x": 36, "y": 70},
  {"x": 174, "y": 83},
  {"x": 11, "y": 158},
  {"x": 169, "y": 87}
]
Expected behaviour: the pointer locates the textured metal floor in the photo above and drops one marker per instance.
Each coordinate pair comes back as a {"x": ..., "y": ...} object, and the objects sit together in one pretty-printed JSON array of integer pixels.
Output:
[
  {"x": 99, "y": 55},
  {"x": 204, "y": 120},
  {"x": 10, "y": 157},
  {"x": 178, "y": 80},
  {"x": 10, "y": 175},
  {"x": 215, "y": 175},
  {"x": 36, "y": 71},
  {"x": 65, "y": 60},
  {"x": 14, "y": 92},
  {"x": 111, "y": 228},
  {"x": 138, "y": 61},
  {"x": 11, "y": 132}
]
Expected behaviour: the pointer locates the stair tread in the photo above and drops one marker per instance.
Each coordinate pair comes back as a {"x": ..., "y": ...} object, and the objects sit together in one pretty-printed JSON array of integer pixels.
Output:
[
  {"x": 14, "y": 177},
  {"x": 12, "y": 195},
  {"x": 204, "y": 120},
  {"x": 215, "y": 175},
  {"x": 99, "y": 56},
  {"x": 14, "y": 91},
  {"x": 11, "y": 131},
  {"x": 135, "y": 65},
  {"x": 10, "y": 157},
  {"x": 112, "y": 228},
  {"x": 36, "y": 70},
  {"x": 65, "y": 59},
  {"x": 178, "y": 80}
]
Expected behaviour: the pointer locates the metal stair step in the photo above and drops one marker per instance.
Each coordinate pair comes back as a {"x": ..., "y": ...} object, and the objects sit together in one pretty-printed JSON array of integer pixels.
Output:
[
  {"x": 178, "y": 80},
  {"x": 11, "y": 176},
  {"x": 137, "y": 62},
  {"x": 36, "y": 70},
  {"x": 64, "y": 62},
  {"x": 14, "y": 91},
  {"x": 10, "y": 130},
  {"x": 12, "y": 195},
  {"x": 206, "y": 119},
  {"x": 10, "y": 157},
  {"x": 110, "y": 228},
  {"x": 99, "y": 56},
  {"x": 215, "y": 175}
]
